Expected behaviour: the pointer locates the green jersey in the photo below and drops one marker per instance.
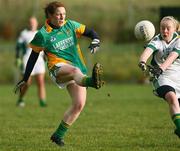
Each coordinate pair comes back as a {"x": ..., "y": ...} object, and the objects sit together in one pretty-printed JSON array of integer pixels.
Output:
[{"x": 61, "y": 45}]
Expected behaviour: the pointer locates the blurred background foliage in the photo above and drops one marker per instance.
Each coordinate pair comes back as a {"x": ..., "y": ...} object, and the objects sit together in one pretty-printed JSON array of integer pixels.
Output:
[{"x": 114, "y": 20}]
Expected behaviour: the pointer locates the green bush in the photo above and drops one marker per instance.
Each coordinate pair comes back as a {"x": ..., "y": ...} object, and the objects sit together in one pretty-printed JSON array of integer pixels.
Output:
[{"x": 113, "y": 19}]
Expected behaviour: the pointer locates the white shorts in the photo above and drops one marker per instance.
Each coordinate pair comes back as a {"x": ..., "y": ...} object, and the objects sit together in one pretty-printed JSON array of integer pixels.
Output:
[
  {"x": 53, "y": 74},
  {"x": 39, "y": 67},
  {"x": 170, "y": 79}
]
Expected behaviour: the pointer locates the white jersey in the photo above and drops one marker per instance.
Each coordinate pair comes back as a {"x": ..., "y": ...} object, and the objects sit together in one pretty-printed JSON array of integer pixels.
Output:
[
  {"x": 171, "y": 76},
  {"x": 25, "y": 37}
]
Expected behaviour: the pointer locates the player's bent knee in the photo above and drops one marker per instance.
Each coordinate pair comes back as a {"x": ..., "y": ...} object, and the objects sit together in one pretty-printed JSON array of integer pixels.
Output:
[
  {"x": 75, "y": 71},
  {"x": 171, "y": 98}
]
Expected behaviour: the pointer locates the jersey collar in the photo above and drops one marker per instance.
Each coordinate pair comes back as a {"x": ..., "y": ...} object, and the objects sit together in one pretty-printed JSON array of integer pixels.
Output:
[{"x": 48, "y": 27}]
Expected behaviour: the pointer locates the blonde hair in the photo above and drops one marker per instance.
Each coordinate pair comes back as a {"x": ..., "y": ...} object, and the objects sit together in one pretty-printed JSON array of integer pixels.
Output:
[{"x": 175, "y": 21}]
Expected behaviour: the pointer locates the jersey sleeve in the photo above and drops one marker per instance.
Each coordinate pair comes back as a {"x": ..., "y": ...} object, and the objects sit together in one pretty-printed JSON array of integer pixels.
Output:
[
  {"x": 38, "y": 43},
  {"x": 177, "y": 46},
  {"x": 78, "y": 27},
  {"x": 153, "y": 44}
]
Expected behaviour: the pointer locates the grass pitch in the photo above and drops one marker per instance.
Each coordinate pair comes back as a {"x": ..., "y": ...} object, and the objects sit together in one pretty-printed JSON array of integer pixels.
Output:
[{"x": 116, "y": 118}]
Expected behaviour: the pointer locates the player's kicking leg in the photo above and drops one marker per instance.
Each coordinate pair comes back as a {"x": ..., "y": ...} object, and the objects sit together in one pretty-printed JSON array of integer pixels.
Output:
[{"x": 65, "y": 73}]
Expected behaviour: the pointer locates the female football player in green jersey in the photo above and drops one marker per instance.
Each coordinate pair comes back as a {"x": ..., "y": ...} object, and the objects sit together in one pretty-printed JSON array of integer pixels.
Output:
[
  {"x": 165, "y": 70},
  {"x": 58, "y": 38}
]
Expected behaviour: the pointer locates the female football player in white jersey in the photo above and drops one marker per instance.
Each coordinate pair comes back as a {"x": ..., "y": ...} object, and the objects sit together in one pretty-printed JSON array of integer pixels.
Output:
[
  {"x": 22, "y": 54},
  {"x": 165, "y": 70}
]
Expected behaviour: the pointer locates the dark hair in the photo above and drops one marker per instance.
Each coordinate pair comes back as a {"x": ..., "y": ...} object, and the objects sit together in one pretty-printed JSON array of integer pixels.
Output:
[{"x": 51, "y": 7}]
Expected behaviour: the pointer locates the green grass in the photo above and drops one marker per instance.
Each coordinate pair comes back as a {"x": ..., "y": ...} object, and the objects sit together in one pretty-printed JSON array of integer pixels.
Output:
[{"x": 130, "y": 119}]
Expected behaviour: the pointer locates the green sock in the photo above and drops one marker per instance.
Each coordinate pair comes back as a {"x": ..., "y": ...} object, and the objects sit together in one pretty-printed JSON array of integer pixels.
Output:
[
  {"x": 42, "y": 100},
  {"x": 62, "y": 129},
  {"x": 20, "y": 100},
  {"x": 176, "y": 120},
  {"x": 42, "y": 103},
  {"x": 87, "y": 81}
]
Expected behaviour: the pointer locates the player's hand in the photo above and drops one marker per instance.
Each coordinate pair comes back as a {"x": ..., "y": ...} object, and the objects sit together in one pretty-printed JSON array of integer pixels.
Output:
[
  {"x": 142, "y": 66},
  {"x": 94, "y": 46},
  {"x": 19, "y": 86},
  {"x": 155, "y": 71},
  {"x": 18, "y": 62}
]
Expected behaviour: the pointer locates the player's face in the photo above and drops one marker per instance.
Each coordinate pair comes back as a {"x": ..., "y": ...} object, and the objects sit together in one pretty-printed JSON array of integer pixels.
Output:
[
  {"x": 167, "y": 28},
  {"x": 33, "y": 24},
  {"x": 58, "y": 17}
]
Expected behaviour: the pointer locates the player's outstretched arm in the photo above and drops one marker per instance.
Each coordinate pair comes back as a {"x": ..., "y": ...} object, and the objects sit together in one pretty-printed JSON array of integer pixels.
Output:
[
  {"x": 95, "y": 44},
  {"x": 144, "y": 57}
]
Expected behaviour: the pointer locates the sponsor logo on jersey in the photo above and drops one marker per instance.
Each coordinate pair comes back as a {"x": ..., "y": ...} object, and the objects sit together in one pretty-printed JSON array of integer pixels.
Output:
[{"x": 64, "y": 44}]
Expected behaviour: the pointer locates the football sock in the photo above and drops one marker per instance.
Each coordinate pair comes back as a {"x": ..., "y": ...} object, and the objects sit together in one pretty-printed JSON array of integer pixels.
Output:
[
  {"x": 87, "y": 81},
  {"x": 176, "y": 120},
  {"x": 42, "y": 103},
  {"x": 62, "y": 129},
  {"x": 20, "y": 100}
]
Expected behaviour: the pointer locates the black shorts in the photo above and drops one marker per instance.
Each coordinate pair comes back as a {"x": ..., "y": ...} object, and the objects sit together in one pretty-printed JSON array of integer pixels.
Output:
[{"x": 162, "y": 90}]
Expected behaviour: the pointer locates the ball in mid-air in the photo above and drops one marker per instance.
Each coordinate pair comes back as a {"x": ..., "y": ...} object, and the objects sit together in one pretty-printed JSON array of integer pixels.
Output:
[{"x": 144, "y": 30}]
